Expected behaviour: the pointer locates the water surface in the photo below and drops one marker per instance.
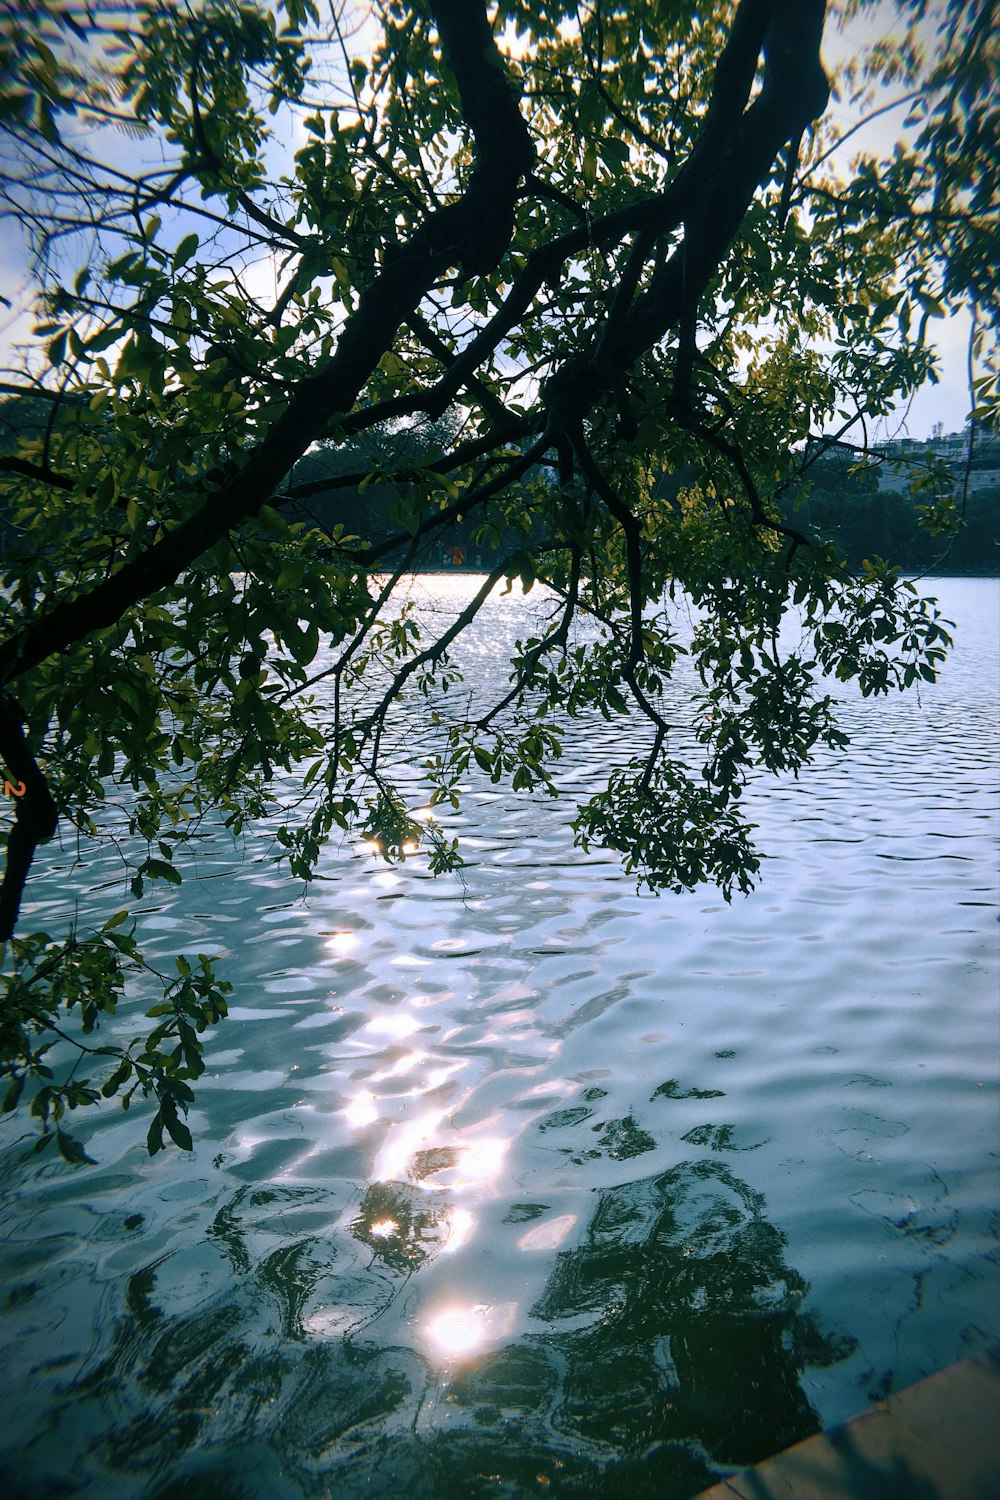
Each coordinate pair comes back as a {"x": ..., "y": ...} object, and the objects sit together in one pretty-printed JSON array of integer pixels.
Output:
[{"x": 520, "y": 1182}]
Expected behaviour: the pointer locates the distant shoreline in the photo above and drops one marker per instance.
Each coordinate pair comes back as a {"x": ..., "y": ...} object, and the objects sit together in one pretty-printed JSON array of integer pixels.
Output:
[{"x": 482, "y": 572}]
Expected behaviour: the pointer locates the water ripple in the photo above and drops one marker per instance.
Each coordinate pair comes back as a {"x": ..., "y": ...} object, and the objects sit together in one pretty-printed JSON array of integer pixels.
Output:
[{"x": 527, "y": 1181}]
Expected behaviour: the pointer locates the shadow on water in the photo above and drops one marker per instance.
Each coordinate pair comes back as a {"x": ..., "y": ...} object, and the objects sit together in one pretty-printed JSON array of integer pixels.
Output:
[{"x": 666, "y": 1347}]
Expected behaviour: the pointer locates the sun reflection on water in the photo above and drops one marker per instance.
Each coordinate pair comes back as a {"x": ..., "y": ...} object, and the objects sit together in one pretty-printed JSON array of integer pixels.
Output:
[
  {"x": 460, "y": 1226},
  {"x": 479, "y": 1162},
  {"x": 456, "y": 1331},
  {"x": 393, "y": 1023},
  {"x": 340, "y": 944},
  {"x": 361, "y": 1110},
  {"x": 384, "y": 1229},
  {"x": 549, "y": 1235},
  {"x": 402, "y": 1142},
  {"x": 399, "y": 1066}
]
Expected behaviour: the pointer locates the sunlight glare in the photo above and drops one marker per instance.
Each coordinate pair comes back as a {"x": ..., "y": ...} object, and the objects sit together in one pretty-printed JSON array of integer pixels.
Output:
[
  {"x": 402, "y": 1142},
  {"x": 547, "y": 1236},
  {"x": 460, "y": 1226},
  {"x": 341, "y": 943},
  {"x": 480, "y": 1161},
  {"x": 362, "y": 1109},
  {"x": 404, "y": 1064},
  {"x": 456, "y": 1331},
  {"x": 394, "y": 1023}
]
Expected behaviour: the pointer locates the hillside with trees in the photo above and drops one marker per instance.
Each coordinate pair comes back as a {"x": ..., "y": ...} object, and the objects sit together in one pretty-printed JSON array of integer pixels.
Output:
[{"x": 933, "y": 530}]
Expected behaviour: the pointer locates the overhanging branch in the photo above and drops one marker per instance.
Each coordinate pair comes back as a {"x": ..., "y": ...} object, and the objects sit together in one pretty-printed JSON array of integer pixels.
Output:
[{"x": 473, "y": 232}]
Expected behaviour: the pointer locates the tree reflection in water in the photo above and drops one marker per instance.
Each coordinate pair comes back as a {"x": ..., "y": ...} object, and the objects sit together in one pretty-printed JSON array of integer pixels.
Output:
[
  {"x": 667, "y": 1346},
  {"x": 697, "y": 1341}
]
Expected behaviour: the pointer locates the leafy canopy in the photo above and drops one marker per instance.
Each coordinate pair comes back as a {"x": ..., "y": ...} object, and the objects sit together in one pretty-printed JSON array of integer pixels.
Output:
[{"x": 581, "y": 277}]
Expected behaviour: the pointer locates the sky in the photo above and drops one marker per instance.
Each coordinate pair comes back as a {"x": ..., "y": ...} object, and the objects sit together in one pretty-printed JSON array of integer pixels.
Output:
[{"x": 945, "y": 403}]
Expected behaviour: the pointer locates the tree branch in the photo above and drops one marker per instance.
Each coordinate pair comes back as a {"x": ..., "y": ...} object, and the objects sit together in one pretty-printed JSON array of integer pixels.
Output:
[
  {"x": 35, "y": 818},
  {"x": 472, "y": 231}
]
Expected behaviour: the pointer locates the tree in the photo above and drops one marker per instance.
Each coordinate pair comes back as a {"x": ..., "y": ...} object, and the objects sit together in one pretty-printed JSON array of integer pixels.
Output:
[{"x": 597, "y": 245}]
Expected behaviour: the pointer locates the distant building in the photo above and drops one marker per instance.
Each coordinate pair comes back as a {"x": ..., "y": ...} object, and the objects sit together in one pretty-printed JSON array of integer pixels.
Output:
[{"x": 896, "y": 456}]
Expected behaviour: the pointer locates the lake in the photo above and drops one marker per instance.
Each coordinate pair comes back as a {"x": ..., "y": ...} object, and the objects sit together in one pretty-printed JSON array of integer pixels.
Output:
[{"x": 517, "y": 1182}]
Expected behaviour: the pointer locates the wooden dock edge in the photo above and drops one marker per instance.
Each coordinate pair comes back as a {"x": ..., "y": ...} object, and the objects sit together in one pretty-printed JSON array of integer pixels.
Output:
[{"x": 937, "y": 1440}]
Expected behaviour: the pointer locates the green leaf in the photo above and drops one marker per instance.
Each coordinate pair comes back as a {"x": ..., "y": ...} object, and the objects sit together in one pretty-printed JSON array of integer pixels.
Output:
[
  {"x": 178, "y": 1132},
  {"x": 118, "y": 1077},
  {"x": 931, "y": 305},
  {"x": 46, "y": 120},
  {"x": 613, "y": 151},
  {"x": 184, "y": 251},
  {"x": 104, "y": 339}
]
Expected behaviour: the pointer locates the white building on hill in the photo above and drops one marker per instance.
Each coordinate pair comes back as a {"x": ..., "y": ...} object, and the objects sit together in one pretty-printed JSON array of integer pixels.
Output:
[{"x": 900, "y": 458}]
